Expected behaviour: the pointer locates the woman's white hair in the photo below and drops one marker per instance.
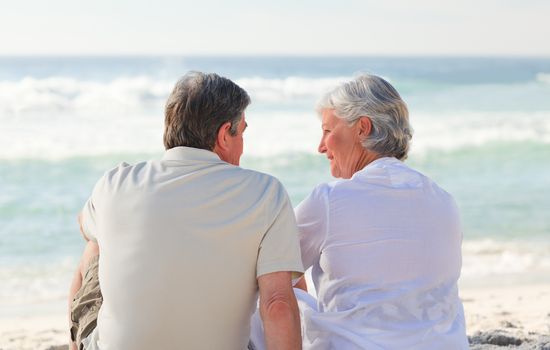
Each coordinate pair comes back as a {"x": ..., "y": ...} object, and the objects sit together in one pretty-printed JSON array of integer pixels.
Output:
[{"x": 373, "y": 97}]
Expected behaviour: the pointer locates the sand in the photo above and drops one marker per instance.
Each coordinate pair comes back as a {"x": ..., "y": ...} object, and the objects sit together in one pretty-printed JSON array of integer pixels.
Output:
[
  {"x": 515, "y": 317},
  {"x": 28, "y": 332}
]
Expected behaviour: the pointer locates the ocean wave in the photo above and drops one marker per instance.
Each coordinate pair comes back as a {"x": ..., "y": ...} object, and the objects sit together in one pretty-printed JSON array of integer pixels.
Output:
[
  {"x": 137, "y": 93},
  {"x": 487, "y": 257},
  {"x": 57, "y": 118},
  {"x": 58, "y": 94},
  {"x": 290, "y": 88},
  {"x": 543, "y": 78},
  {"x": 451, "y": 131},
  {"x": 35, "y": 282},
  {"x": 66, "y": 135}
]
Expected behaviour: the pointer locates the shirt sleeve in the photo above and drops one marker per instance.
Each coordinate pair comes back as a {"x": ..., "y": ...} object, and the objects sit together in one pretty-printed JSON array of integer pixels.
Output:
[
  {"x": 280, "y": 248},
  {"x": 88, "y": 217},
  {"x": 312, "y": 220}
]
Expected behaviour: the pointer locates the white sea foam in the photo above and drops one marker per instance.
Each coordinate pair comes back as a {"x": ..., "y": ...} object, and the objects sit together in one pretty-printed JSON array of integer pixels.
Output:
[
  {"x": 56, "y": 118},
  {"x": 24, "y": 284},
  {"x": 27, "y": 283},
  {"x": 288, "y": 89},
  {"x": 58, "y": 94},
  {"x": 63, "y": 135},
  {"x": 490, "y": 258},
  {"x": 450, "y": 131}
]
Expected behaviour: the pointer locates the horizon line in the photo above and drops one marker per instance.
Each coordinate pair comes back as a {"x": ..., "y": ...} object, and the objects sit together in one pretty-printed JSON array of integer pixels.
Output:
[{"x": 265, "y": 55}]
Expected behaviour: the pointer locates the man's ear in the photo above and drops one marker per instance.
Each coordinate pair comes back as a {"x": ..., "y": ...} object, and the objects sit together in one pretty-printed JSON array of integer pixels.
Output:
[
  {"x": 223, "y": 135},
  {"x": 365, "y": 126}
]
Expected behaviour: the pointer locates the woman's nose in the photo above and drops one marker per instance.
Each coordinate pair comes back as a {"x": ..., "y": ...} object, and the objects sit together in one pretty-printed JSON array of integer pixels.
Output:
[{"x": 322, "y": 147}]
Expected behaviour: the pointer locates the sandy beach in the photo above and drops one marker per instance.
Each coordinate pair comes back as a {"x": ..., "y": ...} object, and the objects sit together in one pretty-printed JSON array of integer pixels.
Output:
[{"x": 515, "y": 317}]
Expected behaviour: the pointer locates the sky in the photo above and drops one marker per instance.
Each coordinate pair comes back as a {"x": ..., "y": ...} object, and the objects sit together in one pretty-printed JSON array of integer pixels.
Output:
[{"x": 282, "y": 27}]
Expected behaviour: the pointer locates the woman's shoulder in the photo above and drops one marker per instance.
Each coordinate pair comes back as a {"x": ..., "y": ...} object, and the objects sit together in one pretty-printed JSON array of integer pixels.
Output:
[
  {"x": 325, "y": 189},
  {"x": 326, "y": 192}
]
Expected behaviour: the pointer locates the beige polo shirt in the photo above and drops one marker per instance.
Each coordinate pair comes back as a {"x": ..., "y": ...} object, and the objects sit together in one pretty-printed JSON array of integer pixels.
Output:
[{"x": 182, "y": 241}]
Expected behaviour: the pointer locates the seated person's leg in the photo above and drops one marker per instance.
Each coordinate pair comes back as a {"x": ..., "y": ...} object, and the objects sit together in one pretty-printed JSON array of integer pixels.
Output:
[{"x": 85, "y": 296}]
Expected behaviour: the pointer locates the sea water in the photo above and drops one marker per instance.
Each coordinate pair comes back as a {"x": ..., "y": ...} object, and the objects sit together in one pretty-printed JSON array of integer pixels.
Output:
[{"x": 481, "y": 131}]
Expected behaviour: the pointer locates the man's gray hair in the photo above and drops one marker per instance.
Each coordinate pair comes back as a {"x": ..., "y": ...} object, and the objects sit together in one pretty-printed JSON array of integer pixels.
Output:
[
  {"x": 373, "y": 97},
  {"x": 198, "y": 106}
]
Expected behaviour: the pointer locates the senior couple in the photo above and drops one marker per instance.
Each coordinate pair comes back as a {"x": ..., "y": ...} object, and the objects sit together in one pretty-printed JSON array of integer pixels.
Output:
[{"x": 180, "y": 248}]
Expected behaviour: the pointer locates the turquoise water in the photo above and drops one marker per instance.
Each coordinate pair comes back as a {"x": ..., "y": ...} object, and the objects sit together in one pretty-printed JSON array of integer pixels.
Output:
[{"x": 482, "y": 131}]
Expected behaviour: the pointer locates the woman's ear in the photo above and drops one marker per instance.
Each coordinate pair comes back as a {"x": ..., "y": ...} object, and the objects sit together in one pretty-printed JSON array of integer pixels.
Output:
[{"x": 365, "y": 126}]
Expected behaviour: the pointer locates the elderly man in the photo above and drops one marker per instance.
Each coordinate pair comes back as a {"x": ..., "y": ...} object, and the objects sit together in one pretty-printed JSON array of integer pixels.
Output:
[{"x": 183, "y": 244}]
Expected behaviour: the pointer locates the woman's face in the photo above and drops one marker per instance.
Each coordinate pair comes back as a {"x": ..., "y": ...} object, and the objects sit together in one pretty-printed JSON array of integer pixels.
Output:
[{"x": 342, "y": 145}]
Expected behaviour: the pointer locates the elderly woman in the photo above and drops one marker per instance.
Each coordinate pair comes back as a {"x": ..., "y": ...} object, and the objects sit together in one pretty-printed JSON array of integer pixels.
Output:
[{"x": 384, "y": 242}]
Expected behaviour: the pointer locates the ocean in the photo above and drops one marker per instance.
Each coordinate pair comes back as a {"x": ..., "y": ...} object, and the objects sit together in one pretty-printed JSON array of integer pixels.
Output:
[{"x": 481, "y": 131}]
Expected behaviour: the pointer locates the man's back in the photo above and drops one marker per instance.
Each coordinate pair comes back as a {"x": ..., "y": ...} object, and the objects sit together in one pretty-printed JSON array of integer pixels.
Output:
[{"x": 182, "y": 242}]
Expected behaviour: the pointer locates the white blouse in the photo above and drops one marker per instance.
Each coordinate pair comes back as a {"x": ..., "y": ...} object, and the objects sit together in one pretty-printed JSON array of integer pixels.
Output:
[{"x": 385, "y": 252}]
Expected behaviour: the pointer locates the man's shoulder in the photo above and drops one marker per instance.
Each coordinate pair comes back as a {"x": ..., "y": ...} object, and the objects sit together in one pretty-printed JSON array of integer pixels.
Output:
[
  {"x": 123, "y": 169},
  {"x": 255, "y": 175},
  {"x": 259, "y": 184},
  {"x": 123, "y": 174}
]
